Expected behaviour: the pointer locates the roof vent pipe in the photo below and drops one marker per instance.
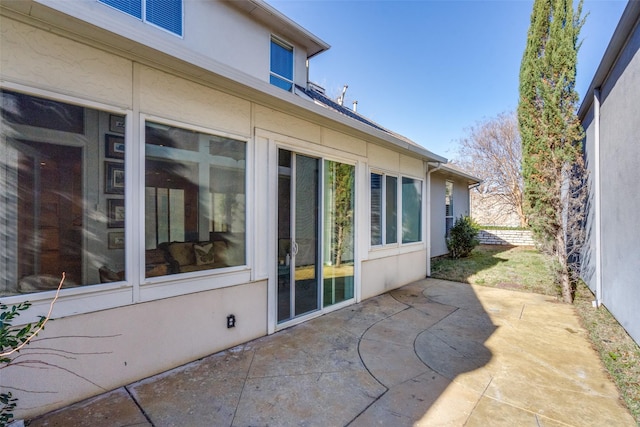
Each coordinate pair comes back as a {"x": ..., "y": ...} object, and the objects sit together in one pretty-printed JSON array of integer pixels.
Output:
[
  {"x": 355, "y": 106},
  {"x": 341, "y": 99}
]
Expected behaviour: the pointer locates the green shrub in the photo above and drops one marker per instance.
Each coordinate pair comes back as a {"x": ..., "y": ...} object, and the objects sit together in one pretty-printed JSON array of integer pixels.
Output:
[
  {"x": 462, "y": 237},
  {"x": 12, "y": 339}
]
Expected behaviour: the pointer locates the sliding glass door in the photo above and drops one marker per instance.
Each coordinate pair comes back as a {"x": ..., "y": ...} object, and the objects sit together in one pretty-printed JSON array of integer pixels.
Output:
[{"x": 315, "y": 234}]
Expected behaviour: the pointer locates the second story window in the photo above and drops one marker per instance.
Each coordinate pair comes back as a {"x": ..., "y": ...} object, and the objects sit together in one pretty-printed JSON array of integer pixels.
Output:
[
  {"x": 281, "y": 64},
  {"x": 166, "y": 14}
]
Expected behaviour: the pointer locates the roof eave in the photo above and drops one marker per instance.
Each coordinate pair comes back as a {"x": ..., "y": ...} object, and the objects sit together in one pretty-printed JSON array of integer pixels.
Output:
[
  {"x": 628, "y": 21},
  {"x": 268, "y": 15}
]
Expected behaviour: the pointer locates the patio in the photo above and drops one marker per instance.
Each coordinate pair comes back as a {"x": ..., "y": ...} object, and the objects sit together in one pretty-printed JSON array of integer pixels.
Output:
[{"x": 430, "y": 353}]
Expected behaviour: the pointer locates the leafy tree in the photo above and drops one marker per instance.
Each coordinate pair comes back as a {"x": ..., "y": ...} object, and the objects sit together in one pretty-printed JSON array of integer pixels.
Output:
[
  {"x": 551, "y": 133},
  {"x": 493, "y": 152}
]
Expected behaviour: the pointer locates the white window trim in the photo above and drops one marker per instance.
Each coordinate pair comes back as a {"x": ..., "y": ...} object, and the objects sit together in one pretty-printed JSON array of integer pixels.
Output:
[
  {"x": 385, "y": 250},
  {"x": 99, "y": 296},
  {"x": 271, "y": 143},
  {"x": 398, "y": 177},
  {"x": 185, "y": 283}
]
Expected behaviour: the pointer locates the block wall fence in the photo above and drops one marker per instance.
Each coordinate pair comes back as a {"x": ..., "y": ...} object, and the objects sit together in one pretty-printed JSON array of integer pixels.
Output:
[{"x": 506, "y": 237}]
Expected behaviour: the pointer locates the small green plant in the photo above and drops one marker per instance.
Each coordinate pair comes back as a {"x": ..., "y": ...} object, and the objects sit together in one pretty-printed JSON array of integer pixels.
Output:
[
  {"x": 12, "y": 340},
  {"x": 462, "y": 237}
]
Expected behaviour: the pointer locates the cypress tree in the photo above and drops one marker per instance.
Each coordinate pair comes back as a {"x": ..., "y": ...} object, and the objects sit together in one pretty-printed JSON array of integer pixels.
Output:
[{"x": 551, "y": 133}]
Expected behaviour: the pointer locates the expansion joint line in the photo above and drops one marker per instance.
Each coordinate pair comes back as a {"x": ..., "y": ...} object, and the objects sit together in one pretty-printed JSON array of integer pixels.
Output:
[
  {"x": 244, "y": 383},
  {"x": 142, "y": 411}
]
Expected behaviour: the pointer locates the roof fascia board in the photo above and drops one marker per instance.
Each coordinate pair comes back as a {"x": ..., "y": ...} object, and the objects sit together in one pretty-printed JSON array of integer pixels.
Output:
[
  {"x": 628, "y": 21},
  {"x": 268, "y": 15},
  {"x": 448, "y": 170}
]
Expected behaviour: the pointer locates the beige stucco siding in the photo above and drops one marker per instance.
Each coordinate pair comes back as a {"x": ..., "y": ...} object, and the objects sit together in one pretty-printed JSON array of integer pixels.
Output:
[
  {"x": 31, "y": 56},
  {"x": 384, "y": 274},
  {"x": 412, "y": 166},
  {"x": 133, "y": 342},
  {"x": 284, "y": 124},
  {"x": 172, "y": 97},
  {"x": 383, "y": 158},
  {"x": 343, "y": 142}
]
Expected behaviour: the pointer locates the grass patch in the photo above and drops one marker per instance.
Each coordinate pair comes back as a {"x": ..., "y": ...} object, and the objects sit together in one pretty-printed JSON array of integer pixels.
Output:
[
  {"x": 512, "y": 267},
  {"x": 619, "y": 353},
  {"x": 526, "y": 269}
]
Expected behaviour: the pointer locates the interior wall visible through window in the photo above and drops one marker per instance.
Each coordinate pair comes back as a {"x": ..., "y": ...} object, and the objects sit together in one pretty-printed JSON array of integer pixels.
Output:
[
  {"x": 62, "y": 194},
  {"x": 195, "y": 201}
]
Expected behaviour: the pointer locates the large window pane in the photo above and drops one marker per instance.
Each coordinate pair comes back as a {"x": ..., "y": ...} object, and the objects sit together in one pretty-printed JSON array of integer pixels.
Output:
[
  {"x": 166, "y": 14},
  {"x": 411, "y": 210},
  {"x": 281, "y": 65},
  {"x": 339, "y": 237},
  {"x": 391, "y": 209},
  {"x": 195, "y": 201},
  {"x": 376, "y": 209},
  {"x": 61, "y": 195}
]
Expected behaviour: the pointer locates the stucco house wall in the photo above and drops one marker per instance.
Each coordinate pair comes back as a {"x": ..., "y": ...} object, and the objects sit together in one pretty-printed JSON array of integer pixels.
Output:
[
  {"x": 610, "y": 115},
  {"x": 461, "y": 183}
]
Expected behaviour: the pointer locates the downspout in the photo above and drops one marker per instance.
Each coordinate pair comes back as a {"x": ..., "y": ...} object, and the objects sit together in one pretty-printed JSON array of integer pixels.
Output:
[
  {"x": 597, "y": 196},
  {"x": 437, "y": 165}
]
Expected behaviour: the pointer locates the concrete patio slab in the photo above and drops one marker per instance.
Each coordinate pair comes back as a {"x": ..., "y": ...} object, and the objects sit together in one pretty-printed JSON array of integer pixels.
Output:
[{"x": 432, "y": 353}]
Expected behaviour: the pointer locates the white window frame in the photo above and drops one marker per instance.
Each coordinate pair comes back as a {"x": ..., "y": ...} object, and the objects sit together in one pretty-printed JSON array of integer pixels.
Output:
[
  {"x": 170, "y": 285},
  {"x": 421, "y": 241},
  {"x": 383, "y": 203},
  {"x": 447, "y": 184}
]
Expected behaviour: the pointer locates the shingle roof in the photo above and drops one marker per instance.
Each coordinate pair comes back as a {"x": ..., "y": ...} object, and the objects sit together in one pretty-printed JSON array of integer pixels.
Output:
[{"x": 323, "y": 100}]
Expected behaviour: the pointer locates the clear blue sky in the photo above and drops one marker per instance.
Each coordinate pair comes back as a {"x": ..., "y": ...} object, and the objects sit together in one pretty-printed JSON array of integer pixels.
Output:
[{"x": 430, "y": 69}]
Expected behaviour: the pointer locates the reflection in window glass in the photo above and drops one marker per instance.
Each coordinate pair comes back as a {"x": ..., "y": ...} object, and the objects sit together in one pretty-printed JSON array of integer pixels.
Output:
[
  {"x": 411, "y": 210},
  {"x": 195, "y": 201},
  {"x": 58, "y": 217},
  {"x": 339, "y": 232}
]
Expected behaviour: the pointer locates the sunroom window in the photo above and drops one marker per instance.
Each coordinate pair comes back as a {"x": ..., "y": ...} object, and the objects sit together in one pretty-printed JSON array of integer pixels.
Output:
[
  {"x": 194, "y": 201},
  {"x": 384, "y": 209},
  {"x": 281, "y": 64},
  {"x": 166, "y": 14},
  {"x": 411, "y": 210},
  {"x": 61, "y": 195}
]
